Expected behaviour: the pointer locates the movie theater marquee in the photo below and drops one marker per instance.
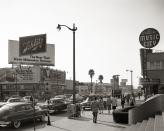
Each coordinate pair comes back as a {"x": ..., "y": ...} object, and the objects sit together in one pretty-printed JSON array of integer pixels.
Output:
[{"x": 40, "y": 57}]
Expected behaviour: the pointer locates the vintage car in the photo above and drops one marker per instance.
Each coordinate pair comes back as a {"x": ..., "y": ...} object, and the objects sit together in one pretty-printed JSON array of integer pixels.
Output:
[
  {"x": 53, "y": 105},
  {"x": 11, "y": 100},
  {"x": 13, "y": 114}
]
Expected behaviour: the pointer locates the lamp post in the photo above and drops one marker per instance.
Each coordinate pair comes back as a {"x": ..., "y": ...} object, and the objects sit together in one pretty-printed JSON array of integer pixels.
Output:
[
  {"x": 73, "y": 30},
  {"x": 131, "y": 74}
]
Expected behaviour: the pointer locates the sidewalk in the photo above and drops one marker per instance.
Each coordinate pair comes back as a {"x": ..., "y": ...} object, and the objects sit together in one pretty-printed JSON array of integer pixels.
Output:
[{"x": 85, "y": 123}]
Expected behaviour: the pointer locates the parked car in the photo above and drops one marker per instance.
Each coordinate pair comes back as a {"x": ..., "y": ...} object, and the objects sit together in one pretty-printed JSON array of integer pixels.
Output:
[
  {"x": 28, "y": 99},
  {"x": 11, "y": 100},
  {"x": 55, "y": 104},
  {"x": 15, "y": 113}
]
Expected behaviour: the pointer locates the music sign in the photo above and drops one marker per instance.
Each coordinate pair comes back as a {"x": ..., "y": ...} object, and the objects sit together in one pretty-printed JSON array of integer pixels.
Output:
[
  {"x": 149, "y": 38},
  {"x": 29, "y": 45}
]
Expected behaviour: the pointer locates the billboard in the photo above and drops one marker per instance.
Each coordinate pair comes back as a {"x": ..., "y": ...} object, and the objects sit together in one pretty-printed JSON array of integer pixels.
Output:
[
  {"x": 27, "y": 74},
  {"x": 29, "y": 45},
  {"x": 41, "y": 58}
]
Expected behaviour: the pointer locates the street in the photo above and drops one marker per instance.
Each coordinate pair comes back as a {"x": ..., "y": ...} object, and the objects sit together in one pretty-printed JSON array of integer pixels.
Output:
[{"x": 39, "y": 125}]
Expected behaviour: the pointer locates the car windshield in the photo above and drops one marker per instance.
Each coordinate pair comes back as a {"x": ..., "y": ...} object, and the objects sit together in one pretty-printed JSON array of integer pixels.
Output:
[
  {"x": 56, "y": 101},
  {"x": 14, "y": 100}
]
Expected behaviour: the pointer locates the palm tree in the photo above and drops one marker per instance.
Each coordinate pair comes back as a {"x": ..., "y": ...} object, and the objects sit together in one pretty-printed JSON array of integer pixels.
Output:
[
  {"x": 101, "y": 78},
  {"x": 91, "y": 73}
]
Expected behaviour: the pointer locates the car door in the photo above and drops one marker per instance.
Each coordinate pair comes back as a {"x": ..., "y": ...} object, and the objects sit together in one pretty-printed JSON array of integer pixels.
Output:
[
  {"x": 29, "y": 111},
  {"x": 17, "y": 113}
]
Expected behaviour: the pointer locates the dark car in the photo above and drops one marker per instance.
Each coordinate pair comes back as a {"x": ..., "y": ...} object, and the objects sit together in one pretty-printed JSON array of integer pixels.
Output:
[
  {"x": 55, "y": 104},
  {"x": 15, "y": 113}
]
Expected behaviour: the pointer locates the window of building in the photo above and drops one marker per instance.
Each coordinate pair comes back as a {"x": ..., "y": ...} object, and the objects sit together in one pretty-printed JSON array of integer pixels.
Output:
[{"x": 155, "y": 65}]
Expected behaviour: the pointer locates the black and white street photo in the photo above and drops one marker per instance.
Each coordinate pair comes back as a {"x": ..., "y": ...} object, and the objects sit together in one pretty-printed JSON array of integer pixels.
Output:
[{"x": 82, "y": 65}]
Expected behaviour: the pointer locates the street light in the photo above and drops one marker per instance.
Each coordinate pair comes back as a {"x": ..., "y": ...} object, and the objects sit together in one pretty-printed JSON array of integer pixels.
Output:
[
  {"x": 131, "y": 72},
  {"x": 73, "y": 30}
]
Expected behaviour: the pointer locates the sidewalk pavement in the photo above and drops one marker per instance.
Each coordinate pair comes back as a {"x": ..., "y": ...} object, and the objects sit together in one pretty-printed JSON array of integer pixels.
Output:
[{"x": 85, "y": 123}]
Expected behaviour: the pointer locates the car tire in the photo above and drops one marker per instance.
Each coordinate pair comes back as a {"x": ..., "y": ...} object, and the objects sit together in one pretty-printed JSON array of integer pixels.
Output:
[
  {"x": 16, "y": 124},
  {"x": 43, "y": 118}
]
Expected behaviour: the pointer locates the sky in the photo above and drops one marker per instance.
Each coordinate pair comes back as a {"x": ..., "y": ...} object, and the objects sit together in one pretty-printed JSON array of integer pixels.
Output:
[{"x": 107, "y": 36}]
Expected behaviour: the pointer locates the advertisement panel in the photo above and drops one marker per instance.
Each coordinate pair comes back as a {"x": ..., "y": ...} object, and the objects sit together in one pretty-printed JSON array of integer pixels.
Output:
[
  {"x": 20, "y": 75},
  {"x": 27, "y": 75},
  {"x": 143, "y": 56},
  {"x": 42, "y": 58},
  {"x": 29, "y": 45}
]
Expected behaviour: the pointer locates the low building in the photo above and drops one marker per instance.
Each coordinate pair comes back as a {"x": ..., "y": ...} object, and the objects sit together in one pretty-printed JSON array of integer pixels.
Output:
[{"x": 42, "y": 82}]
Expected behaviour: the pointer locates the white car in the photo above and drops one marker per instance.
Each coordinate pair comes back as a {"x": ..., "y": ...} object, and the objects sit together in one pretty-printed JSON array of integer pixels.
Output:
[{"x": 11, "y": 100}]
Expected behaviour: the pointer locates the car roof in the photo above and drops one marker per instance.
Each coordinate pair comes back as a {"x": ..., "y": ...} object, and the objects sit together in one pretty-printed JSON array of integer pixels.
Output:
[
  {"x": 17, "y": 103},
  {"x": 56, "y": 98}
]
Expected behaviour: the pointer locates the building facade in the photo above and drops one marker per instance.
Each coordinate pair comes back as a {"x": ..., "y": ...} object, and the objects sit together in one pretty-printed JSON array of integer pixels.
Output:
[
  {"x": 152, "y": 66},
  {"x": 42, "y": 82}
]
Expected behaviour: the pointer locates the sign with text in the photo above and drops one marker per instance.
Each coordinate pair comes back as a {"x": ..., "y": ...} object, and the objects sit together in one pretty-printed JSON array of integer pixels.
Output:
[
  {"x": 42, "y": 58},
  {"x": 149, "y": 38},
  {"x": 32, "y": 44},
  {"x": 27, "y": 74}
]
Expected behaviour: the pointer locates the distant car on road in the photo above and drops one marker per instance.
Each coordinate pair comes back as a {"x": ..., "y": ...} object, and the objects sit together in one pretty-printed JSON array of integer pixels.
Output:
[
  {"x": 15, "y": 113},
  {"x": 11, "y": 100},
  {"x": 55, "y": 104}
]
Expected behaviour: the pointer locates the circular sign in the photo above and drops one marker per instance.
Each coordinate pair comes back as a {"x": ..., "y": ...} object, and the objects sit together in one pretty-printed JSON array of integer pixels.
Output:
[{"x": 149, "y": 38}]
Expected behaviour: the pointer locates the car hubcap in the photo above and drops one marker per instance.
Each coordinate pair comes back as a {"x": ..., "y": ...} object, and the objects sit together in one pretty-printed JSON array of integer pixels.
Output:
[
  {"x": 43, "y": 118},
  {"x": 16, "y": 124}
]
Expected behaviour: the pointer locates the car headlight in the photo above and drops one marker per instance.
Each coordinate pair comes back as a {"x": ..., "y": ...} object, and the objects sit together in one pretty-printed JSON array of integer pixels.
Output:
[{"x": 4, "y": 117}]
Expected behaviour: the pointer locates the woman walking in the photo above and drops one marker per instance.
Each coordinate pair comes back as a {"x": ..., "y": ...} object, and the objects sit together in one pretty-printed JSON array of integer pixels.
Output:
[
  {"x": 101, "y": 105},
  {"x": 95, "y": 108}
]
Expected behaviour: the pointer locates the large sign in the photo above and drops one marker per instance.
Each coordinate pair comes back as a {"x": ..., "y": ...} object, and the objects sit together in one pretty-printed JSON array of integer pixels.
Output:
[
  {"x": 149, "y": 38},
  {"x": 148, "y": 81},
  {"x": 32, "y": 44},
  {"x": 42, "y": 58},
  {"x": 27, "y": 75},
  {"x": 143, "y": 55}
]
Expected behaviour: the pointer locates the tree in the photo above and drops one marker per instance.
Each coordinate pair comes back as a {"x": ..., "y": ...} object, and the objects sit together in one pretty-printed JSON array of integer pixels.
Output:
[
  {"x": 91, "y": 73},
  {"x": 101, "y": 78}
]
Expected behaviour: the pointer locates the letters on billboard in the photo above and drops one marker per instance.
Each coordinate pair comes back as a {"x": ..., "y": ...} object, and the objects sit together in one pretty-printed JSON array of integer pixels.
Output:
[
  {"x": 32, "y": 44},
  {"x": 43, "y": 58},
  {"x": 149, "y": 38}
]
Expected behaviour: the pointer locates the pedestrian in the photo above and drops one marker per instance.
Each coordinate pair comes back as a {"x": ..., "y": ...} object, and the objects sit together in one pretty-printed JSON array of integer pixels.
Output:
[
  {"x": 132, "y": 101},
  {"x": 127, "y": 98},
  {"x": 108, "y": 104},
  {"x": 101, "y": 105},
  {"x": 104, "y": 101},
  {"x": 122, "y": 101},
  {"x": 114, "y": 103},
  {"x": 95, "y": 108}
]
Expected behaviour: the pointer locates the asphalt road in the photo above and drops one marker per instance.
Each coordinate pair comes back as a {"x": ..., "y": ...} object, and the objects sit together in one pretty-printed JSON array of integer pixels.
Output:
[{"x": 30, "y": 125}]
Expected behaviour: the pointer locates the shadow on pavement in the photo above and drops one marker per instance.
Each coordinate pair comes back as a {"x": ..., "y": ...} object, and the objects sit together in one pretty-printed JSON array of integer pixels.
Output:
[
  {"x": 60, "y": 128},
  {"x": 111, "y": 125},
  {"x": 81, "y": 118}
]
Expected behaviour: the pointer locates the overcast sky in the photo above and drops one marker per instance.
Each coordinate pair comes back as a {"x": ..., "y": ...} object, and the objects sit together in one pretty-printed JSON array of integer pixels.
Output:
[{"x": 107, "y": 39}]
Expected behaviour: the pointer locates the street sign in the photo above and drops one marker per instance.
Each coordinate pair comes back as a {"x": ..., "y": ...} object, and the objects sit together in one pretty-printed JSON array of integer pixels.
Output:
[{"x": 149, "y": 38}]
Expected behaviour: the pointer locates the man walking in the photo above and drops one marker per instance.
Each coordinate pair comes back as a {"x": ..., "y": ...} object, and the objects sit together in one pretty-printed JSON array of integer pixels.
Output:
[
  {"x": 108, "y": 104},
  {"x": 95, "y": 107}
]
